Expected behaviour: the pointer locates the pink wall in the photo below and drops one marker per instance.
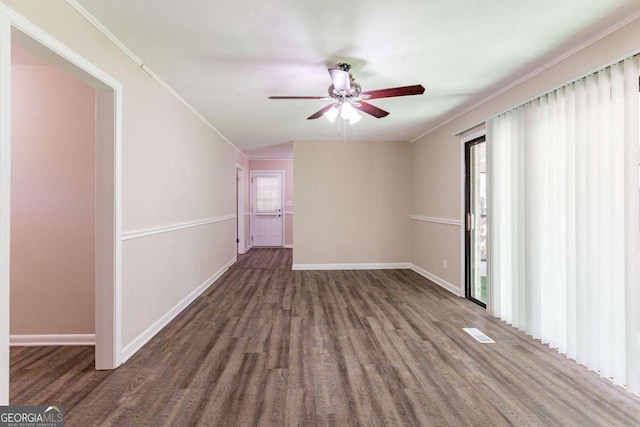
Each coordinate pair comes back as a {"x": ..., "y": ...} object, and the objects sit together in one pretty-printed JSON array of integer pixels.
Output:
[
  {"x": 287, "y": 167},
  {"x": 52, "y": 200}
]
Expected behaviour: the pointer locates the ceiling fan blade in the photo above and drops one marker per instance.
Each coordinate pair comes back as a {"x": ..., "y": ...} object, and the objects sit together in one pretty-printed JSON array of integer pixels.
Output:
[
  {"x": 341, "y": 80},
  {"x": 298, "y": 97},
  {"x": 319, "y": 113},
  {"x": 376, "y": 112},
  {"x": 392, "y": 92}
]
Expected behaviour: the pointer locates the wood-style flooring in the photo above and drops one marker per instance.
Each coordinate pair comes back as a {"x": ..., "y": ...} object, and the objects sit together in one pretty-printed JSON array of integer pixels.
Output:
[{"x": 269, "y": 346}]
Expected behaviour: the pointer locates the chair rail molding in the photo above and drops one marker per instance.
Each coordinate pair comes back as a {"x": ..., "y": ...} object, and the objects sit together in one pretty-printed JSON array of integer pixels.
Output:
[{"x": 169, "y": 228}]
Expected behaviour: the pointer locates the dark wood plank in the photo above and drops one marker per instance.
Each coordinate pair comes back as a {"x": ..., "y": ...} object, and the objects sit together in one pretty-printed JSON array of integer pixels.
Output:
[{"x": 269, "y": 346}]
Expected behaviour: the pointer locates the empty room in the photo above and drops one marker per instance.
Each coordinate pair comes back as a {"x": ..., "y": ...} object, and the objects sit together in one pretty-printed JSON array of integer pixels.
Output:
[{"x": 301, "y": 213}]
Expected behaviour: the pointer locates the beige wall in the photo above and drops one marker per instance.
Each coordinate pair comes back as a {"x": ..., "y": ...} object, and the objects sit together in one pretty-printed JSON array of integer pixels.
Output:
[
  {"x": 52, "y": 201},
  {"x": 287, "y": 167},
  {"x": 436, "y": 157},
  {"x": 352, "y": 202},
  {"x": 175, "y": 170}
]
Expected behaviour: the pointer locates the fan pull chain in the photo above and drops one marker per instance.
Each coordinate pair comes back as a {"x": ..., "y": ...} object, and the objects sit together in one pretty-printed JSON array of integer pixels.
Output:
[{"x": 344, "y": 131}]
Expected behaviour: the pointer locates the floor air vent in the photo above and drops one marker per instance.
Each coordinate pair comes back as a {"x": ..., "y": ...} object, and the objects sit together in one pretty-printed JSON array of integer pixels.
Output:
[{"x": 478, "y": 335}]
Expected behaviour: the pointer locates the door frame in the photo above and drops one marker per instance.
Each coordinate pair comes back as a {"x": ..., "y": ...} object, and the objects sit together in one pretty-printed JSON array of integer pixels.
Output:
[
  {"x": 463, "y": 213},
  {"x": 282, "y": 177},
  {"x": 240, "y": 226},
  {"x": 108, "y": 266},
  {"x": 467, "y": 233}
]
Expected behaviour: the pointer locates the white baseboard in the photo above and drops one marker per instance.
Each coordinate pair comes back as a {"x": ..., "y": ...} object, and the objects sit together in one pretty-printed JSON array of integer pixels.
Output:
[
  {"x": 358, "y": 266},
  {"x": 288, "y": 246},
  {"x": 245, "y": 250},
  {"x": 438, "y": 281},
  {"x": 52, "y": 339},
  {"x": 138, "y": 342}
]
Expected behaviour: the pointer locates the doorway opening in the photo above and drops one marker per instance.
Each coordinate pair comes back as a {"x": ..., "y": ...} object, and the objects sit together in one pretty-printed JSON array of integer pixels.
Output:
[
  {"x": 106, "y": 278},
  {"x": 52, "y": 204},
  {"x": 476, "y": 221}
]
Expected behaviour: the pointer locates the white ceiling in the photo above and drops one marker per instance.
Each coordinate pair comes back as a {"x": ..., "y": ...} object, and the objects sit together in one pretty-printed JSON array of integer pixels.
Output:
[{"x": 226, "y": 58}]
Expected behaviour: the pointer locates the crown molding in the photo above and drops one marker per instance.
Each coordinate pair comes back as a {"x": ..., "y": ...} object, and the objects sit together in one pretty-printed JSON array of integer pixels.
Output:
[
  {"x": 612, "y": 29},
  {"x": 109, "y": 35}
]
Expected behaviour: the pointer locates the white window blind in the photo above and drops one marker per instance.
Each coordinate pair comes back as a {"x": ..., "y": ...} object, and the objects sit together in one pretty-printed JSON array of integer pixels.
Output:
[
  {"x": 565, "y": 221},
  {"x": 267, "y": 195}
]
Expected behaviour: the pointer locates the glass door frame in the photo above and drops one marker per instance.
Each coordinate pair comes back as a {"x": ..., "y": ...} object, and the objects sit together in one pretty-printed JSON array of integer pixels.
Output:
[{"x": 466, "y": 222}]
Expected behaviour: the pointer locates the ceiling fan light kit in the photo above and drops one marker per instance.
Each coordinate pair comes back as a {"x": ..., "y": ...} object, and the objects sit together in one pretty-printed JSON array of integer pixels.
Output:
[
  {"x": 347, "y": 112},
  {"x": 332, "y": 113},
  {"x": 348, "y": 97}
]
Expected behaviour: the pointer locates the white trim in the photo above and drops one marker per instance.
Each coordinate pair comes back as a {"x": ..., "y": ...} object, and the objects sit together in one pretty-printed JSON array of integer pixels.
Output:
[
  {"x": 269, "y": 160},
  {"x": 436, "y": 220},
  {"x": 5, "y": 199},
  {"x": 166, "y": 229},
  {"x": 108, "y": 232},
  {"x": 288, "y": 246},
  {"x": 240, "y": 220},
  {"x": 117, "y": 252},
  {"x": 247, "y": 249},
  {"x": 60, "y": 49},
  {"x": 288, "y": 212},
  {"x": 355, "y": 266},
  {"x": 438, "y": 281},
  {"x": 615, "y": 27},
  {"x": 138, "y": 342},
  {"x": 475, "y": 135},
  {"x": 104, "y": 30},
  {"x": 52, "y": 340},
  {"x": 109, "y": 35}
]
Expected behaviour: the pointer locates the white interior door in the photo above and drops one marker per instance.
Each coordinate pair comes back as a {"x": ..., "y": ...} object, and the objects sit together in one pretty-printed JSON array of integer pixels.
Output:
[{"x": 266, "y": 208}]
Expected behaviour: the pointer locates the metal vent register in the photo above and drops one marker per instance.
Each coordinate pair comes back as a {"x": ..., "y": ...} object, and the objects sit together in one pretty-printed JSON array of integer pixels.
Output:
[{"x": 478, "y": 335}]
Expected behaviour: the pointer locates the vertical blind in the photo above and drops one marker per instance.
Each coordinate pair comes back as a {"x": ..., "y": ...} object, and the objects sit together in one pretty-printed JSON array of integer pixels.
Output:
[{"x": 564, "y": 221}]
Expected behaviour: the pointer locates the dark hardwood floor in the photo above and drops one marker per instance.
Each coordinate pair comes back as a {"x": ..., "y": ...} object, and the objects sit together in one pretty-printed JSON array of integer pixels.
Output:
[{"x": 269, "y": 346}]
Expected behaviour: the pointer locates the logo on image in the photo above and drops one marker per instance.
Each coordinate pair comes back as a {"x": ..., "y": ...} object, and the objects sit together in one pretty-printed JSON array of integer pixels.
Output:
[{"x": 31, "y": 416}]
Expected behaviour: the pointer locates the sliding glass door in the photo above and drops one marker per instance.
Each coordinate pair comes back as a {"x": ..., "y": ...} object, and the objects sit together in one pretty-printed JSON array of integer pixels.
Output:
[{"x": 476, "y": 221}]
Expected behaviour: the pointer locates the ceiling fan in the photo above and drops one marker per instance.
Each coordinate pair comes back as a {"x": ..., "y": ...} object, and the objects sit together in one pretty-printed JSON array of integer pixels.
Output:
[{"x": 348, "y": 97}]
